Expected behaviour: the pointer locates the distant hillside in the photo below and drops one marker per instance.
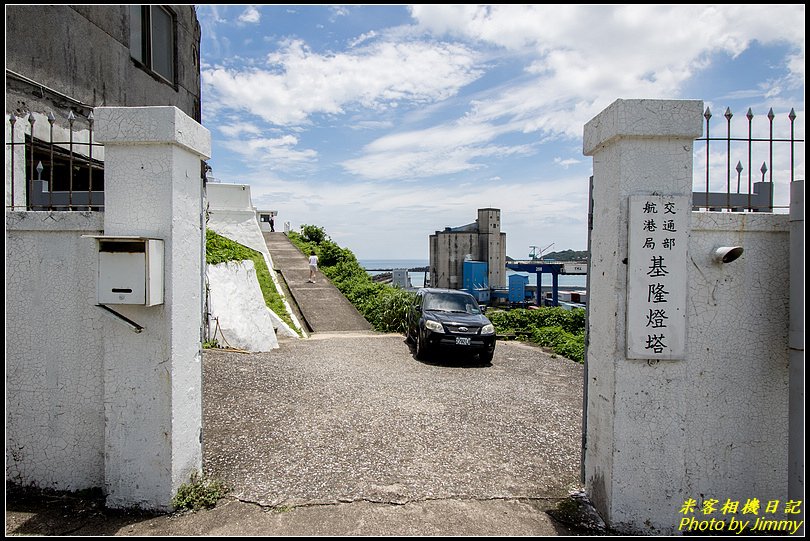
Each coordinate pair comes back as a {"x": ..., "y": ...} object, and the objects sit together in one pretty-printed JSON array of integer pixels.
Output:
[
  {"x": 568, "y": 255},
  {"x": 563, "y": 255}
]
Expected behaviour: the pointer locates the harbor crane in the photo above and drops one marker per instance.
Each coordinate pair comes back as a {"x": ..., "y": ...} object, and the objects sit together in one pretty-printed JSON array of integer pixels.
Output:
[{"x": 535, "y": 255}]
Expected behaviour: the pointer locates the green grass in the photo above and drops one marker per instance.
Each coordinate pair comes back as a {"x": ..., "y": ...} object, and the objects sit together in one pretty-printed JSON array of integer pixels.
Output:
[
  {"x": 219, "y": 249},
  {"x": 199, "y": 493}
]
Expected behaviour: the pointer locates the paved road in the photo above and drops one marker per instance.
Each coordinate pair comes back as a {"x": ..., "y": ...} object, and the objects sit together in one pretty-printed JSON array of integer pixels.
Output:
[{"x": 345, "y": 418}]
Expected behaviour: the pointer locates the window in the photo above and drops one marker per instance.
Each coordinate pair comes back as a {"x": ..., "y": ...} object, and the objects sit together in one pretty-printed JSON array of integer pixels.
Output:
[{"x": 151, "y": 39}]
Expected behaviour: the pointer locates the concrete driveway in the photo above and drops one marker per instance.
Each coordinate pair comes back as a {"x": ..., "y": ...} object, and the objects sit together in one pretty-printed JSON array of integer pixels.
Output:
[
  {"x": 349, "y": 435},
  {"x": 354, "y": 417}
]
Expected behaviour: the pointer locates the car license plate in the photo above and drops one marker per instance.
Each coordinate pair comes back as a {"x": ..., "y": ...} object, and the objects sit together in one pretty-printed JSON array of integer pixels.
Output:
[{"x": 462, "y": 341}]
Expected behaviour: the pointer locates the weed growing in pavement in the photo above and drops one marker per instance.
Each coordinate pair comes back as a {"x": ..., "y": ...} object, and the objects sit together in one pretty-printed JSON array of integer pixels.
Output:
[{"x": 199, "y": 493}]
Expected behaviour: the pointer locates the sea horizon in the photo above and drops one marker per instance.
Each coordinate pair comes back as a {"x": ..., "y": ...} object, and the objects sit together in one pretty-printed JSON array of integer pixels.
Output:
[{"x": 393, "y": 263}]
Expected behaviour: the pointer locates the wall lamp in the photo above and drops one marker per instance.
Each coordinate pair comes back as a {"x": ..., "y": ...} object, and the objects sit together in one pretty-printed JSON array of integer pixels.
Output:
[{"x": 727, "y": 254}]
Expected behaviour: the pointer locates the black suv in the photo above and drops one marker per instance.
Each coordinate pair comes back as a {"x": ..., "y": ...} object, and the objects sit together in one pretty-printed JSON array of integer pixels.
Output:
[{"x": 449, "y": 319}]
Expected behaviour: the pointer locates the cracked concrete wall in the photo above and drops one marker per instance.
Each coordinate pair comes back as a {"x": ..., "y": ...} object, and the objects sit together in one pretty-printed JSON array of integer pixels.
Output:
[
  {"x": 713, "y": 425},
  {"x": 152, "y": 388},
  {"x": 738, "y": 358},
  {"x": 54, "y": 352},
  {"x": 236, "y": 301},
  {"x": 629, "y": 401}
]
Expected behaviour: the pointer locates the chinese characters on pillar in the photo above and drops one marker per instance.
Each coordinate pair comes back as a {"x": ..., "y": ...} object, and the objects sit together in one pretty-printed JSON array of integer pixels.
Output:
[{"x": 656, "y": 276}]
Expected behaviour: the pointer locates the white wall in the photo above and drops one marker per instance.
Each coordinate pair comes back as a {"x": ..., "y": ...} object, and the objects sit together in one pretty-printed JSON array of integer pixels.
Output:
[
  {"x": 738, "y": 357},
  {"x": 713, "y": 425},
  {"x": 228, "y": 197},
  {"x": 54, "y": 351},
  {"x": 239, "y": 316},
  {"x": 231, "y": 214}
]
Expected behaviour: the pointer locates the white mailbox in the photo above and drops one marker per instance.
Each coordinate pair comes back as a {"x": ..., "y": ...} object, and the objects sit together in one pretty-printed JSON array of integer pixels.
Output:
[{"x": 130, "y": 270}]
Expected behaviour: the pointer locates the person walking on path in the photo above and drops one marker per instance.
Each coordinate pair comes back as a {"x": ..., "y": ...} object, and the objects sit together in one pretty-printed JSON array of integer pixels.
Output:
[
  {"x": 272, "y": 224},
  {"x": 313, "y": 267}
]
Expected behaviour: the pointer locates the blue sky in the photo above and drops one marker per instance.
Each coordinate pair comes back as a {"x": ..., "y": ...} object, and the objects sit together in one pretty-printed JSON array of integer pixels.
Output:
[{"x": 386, "y": 123}]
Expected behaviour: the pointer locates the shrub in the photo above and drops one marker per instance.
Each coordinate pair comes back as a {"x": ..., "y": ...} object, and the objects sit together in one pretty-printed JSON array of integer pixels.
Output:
[
  {"x": 563, "y": 331},
  {"x": 199, "y": 493},
  {"x": 313, "y": 233},
  {"x": 389, "y": 312}
]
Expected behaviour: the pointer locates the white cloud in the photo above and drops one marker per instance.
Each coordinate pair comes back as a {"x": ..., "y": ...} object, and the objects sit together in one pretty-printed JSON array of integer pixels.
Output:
[
  {"x": 371, "y": 125},
  {"x": 362, "y": 38},
  {"x": 574, "y": 74},
  {"x": 339, "y": 11},
  {"x": 299, "y": 82},
  {"x": 234, "y": 130},
  {"x": 627, "y": 51},
  {"x": 567, "y": 162},
  {"x": 441, "y": 150},
  {"x": 251, "y": 15},
  {"x": 274, "y": 153}
]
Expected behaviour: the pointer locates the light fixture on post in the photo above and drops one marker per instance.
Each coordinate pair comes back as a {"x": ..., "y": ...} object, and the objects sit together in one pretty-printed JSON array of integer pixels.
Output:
[{"x": 727, "y": 254}]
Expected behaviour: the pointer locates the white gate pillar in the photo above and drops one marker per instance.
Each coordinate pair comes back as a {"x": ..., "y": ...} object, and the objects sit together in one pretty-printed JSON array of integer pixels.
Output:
[
  {"x": 152, "y": 379},
  {"x": 634, "y": 459}
]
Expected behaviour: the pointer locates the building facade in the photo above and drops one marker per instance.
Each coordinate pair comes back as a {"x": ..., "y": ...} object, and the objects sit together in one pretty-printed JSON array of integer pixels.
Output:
[
  {"x": 481, "y": 240},
  {"x": 61, "y": 57}
]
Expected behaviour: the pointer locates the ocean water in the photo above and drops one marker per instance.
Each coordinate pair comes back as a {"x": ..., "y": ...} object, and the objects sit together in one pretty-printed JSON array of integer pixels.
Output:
[
  {"x": 417, "y": 278},
  {"x": 574, "y": 281}
]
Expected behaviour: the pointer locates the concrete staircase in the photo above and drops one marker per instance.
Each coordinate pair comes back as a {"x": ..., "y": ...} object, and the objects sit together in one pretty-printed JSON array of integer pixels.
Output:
[{"x": 323, "y": 307}]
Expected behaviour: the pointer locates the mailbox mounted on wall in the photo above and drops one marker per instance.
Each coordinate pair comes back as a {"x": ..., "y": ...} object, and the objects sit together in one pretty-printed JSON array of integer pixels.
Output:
[{"x": 130, "y": 270}]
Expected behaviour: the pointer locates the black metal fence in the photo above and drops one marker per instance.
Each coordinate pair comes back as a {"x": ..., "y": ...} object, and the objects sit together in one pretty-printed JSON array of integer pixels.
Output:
[
  {"x": 60, "y": 173},
  {"x": 747, "y": 186}
]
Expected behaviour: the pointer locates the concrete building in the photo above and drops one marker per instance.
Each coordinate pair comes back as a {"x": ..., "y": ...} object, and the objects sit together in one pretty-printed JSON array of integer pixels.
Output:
[
  {"x": 63, "y": 61},
  {"x": 481, "y": 240},
  {"x": 61, "y": 57}
]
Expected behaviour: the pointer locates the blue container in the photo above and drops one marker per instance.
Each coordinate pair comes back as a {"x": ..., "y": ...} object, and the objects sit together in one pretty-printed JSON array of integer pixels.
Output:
[
  {"x": 474, "y": 275},
  {"x": 475, "y": 280},
  {"x": 517, "y": 287}
]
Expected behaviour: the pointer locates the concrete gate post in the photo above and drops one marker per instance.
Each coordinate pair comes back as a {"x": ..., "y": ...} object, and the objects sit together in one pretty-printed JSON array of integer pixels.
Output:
[
  {"x": 152, "y": 378},
  {"x": 634, "y": 447}
]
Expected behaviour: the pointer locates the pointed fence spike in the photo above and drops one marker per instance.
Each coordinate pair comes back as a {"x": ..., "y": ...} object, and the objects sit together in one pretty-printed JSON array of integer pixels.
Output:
[
  {"x": 91, "y": 117},
  {"x": 749, "y": 115},
  {"x": 71, "y": 117},
  {"x": 792, "y": 115},
  {"x": 31, "y": 118},
  {"x": 739, "y": 167},
  {"x": 771, "y": 116},
  {"x": 12, "y": 118},
  {"x": 763, "y": 169},
  {"x": 728, "y": 113},
  {"x": 708, "y": 113},
  {"x": 51, "y": 118}
]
